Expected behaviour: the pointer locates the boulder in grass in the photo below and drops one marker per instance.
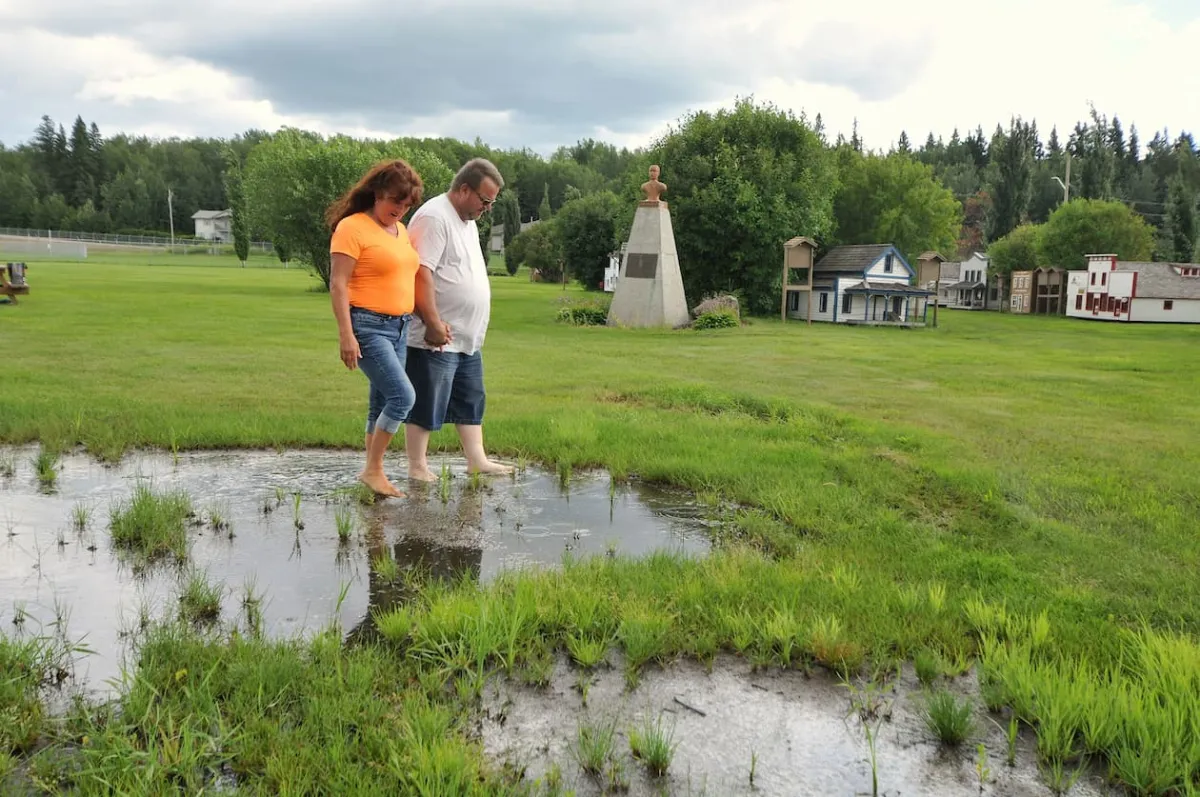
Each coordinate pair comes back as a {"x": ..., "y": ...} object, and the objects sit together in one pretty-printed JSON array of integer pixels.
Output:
[{"x": 713, "y": 304}]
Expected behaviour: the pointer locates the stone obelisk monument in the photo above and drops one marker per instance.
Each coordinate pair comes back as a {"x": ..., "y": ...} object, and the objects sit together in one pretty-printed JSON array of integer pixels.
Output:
[{"x": 649, "y": 290}]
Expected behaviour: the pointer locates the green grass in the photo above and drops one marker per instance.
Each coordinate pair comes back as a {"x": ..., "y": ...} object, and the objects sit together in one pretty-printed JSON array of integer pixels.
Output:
[
  {"x": 1013, "y": 489},
  {"x": 653, "y": 746},
  {"x": 950, "y": 719},
  {"x": 200, "y": 600},
  {"x": 151, "y": 524}
]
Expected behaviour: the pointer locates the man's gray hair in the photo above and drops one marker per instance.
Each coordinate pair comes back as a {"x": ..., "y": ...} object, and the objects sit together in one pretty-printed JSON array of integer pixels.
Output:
[{"x": 473, "y": 173}]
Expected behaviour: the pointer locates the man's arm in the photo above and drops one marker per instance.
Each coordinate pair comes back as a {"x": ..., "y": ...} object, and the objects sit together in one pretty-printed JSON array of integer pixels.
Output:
[
  {"x": 436, "y": 331},
  {"x": 429, "y": 238}
]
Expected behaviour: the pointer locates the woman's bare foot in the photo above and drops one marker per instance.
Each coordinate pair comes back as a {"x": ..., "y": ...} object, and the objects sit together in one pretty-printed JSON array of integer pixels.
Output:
[
  {"x": 489, "y": 467},
  {"x": 423, "y": 474},
  {"x": 378, "y": 482}
]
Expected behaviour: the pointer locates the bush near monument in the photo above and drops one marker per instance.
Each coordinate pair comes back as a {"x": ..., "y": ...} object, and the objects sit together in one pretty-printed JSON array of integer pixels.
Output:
[
  {"x": 725, "y": 302},
  {"x": 716, "y": 319},
  {"x": 584, "y": 312}
]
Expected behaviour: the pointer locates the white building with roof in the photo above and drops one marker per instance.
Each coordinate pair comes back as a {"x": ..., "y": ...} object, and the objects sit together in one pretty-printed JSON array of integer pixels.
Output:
[
  {"x": 1123, "y": 290},
  {"x": 214, "y": 225}
]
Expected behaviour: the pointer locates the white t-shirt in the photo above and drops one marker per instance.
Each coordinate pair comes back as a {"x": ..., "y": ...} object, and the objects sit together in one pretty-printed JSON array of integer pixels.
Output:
[{"x": 449, "y": 247}]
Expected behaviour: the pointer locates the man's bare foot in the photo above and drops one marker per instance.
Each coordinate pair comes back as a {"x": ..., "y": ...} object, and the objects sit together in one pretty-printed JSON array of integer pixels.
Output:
[
  {"x": 422, "y": 474},
  {"x": 378, "y": 482},
  {"x": 489, "y": 467}
]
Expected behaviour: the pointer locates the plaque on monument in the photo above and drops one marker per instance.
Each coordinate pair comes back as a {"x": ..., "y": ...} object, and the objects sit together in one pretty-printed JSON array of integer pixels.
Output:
[{"x": 642, "y": 265}]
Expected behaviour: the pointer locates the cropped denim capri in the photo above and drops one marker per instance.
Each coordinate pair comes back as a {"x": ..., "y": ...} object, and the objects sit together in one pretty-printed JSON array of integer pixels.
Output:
[{"x": 382, "y": 342}]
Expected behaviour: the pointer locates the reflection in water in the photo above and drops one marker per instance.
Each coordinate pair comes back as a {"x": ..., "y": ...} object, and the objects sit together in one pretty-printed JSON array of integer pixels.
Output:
[{"x": 448, "y": 550}]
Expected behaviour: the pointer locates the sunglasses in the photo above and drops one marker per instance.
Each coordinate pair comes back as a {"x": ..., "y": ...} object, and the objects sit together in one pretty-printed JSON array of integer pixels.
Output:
[{"x": 487, "y": 203}]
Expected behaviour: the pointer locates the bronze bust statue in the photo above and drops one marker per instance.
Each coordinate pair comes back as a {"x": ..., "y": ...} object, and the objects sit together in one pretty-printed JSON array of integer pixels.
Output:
[{"x": 652, "y": 188}]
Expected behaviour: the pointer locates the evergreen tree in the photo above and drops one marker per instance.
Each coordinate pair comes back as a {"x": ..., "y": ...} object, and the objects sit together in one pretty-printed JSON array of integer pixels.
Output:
[
  {"x": 82, "y": 166},
  {"x": 976, "y": 147},
  {"x": 1052, "y": 146},
  {"x": 1181, "y": 221},
  {"x": 50, "y": 157},
  {"x": 1010, "y": 178},
  {"x": 544, "y": 207},
  {"x": 235, "y": 195},
  {"x": 903, "y": 144}
]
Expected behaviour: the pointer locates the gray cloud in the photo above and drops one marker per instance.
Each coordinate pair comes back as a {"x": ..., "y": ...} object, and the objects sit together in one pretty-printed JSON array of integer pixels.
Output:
[
  {"x": 560, "y": 71},
  {"x": 874, "y": 67},
  {"x": 545, "y": 66}
]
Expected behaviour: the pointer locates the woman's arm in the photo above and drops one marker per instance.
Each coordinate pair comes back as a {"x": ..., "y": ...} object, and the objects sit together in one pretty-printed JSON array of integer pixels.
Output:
[{"x": 340, "y": 268}]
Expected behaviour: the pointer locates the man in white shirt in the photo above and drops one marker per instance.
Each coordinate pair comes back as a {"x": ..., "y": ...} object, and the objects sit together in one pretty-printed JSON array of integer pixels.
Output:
[{"x": 453, "y": 306}]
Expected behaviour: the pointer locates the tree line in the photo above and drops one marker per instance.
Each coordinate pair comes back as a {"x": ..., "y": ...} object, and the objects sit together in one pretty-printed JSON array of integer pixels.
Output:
[{"x": 741, "y": 181}]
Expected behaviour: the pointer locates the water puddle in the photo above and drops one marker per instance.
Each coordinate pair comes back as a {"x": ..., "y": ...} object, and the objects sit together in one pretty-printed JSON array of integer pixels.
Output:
[
  {"x": 279, "y": 538},
  {"x": 799, "y": 735}
]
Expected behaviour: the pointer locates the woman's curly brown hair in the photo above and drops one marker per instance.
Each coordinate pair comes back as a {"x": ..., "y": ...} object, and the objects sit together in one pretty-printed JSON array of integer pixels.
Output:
[{"x": 393, "y": 178}]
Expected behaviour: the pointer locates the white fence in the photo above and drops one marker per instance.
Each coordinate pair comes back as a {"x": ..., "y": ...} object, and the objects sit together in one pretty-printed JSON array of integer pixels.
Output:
[
  {"x": 151, "y": 241},
  {"x": 45, "y": 246}
]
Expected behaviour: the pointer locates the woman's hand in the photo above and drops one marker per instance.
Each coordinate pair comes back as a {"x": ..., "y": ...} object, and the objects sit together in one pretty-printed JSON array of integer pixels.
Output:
[{"x": 350, "y": 351}]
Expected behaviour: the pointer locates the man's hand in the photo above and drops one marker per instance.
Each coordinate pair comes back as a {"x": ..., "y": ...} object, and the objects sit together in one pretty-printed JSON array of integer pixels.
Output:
[{"x": 438, "y": 333}]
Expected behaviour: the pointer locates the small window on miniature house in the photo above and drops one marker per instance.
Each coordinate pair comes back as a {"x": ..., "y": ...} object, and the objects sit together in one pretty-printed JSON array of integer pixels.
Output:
[
  {"x": 824, "y": 303},
  {"x": 887, "y": 264},
  {"x": 1079, "y": 302},
  {"x": 847, "y": 302},
  {"x": 1168, "y": 304},
  {"x": 1103, "y": 277},
  {"x": 794, "y": 301},
  {"x": 1093, "y": 278}
]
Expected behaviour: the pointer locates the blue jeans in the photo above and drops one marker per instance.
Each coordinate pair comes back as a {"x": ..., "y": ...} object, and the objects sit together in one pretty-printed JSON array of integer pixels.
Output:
[
  {"x": 382, "y": 342},
  {"x": 449, "y": 388}
]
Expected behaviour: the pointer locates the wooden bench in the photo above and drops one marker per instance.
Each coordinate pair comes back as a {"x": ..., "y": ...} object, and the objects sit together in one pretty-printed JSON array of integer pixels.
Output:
[{"x": 12, "y": 281}]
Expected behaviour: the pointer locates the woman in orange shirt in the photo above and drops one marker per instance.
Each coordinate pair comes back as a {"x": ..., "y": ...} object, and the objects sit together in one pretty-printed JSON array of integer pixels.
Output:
[{"x": 373, "y": 270}]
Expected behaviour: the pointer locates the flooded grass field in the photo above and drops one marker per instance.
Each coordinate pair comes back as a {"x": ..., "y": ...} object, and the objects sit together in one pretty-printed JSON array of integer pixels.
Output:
[
  {"x": 287, "y": 546},
  {"x": 288, "y": 540}
]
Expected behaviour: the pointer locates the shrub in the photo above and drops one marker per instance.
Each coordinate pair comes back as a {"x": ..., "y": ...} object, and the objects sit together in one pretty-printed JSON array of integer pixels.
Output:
[
  {"x": 716, "y": 319},
  {"x": 590, "y": 312},
  {"x": 584, "y": 316}
]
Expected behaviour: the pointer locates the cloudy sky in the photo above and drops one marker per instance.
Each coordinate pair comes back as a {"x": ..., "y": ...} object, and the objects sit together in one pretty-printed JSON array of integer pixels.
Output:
[{"x": 540, "y": 73}]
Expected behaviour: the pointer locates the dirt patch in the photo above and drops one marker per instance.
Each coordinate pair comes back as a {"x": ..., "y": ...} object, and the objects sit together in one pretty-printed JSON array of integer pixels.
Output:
[{"x": 801, "y": 735}]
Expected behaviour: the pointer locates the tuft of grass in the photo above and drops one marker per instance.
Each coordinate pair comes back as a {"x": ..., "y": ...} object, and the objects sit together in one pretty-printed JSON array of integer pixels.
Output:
[
  {"x": 81, "y": 513},
  {"x": 653, "y": 746},
  {"x": 644, "y": 633},
  {"x": 385, "y": 567},
  {"x": 343, "y": 519},
  {"x": 152, "y": 525},
  {"x": 8, "y": 465},
  {"x": 586, "y": 650},
  {"x": 950, "y": 721},
  {"x": 832, "y": 649},
  {"x": 928, "y": 666},
  {"x": 218, "y": 519},
  {"x": 200, "y": 600},
  {"x": 395, "y": 624},
  {"x": 45, "y": 466},
  {"x": 252, "y": 601},
  {"x": 444, "y": 479},
  {"x": 594, "y": 746}
]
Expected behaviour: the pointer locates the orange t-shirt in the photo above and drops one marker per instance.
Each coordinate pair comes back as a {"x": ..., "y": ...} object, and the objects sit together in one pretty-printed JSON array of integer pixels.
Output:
[{"x": 384, "y": 276}]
